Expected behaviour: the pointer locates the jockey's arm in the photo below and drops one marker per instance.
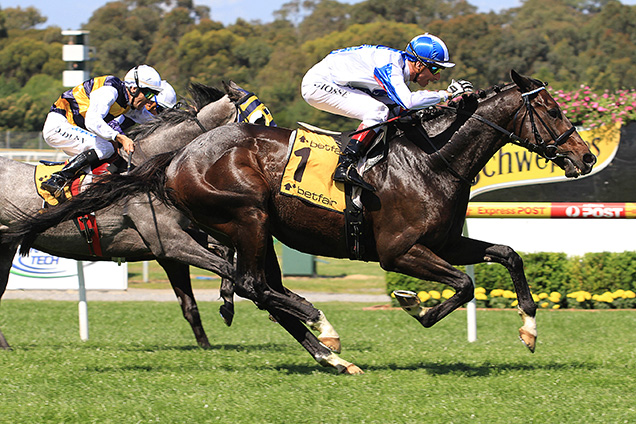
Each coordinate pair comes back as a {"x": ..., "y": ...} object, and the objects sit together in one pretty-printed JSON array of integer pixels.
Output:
[
  {"x": 399, "y": 92},
  {"x": 101, "y": 101}
]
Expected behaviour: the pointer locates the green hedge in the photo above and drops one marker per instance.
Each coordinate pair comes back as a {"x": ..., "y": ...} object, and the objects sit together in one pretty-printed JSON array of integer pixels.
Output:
[{"x": 595, "y": 273}]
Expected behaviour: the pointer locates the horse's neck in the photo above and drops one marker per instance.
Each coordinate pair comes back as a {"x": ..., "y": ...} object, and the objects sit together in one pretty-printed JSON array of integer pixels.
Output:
[
  {"x": 218, "y": 113},
  {"x": 472, "y": 146},
  {"x": 173, "y": 137}
]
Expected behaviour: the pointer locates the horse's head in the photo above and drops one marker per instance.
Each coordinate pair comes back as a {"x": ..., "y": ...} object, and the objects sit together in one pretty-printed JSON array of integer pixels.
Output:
[{"x": 545, "y": 130}]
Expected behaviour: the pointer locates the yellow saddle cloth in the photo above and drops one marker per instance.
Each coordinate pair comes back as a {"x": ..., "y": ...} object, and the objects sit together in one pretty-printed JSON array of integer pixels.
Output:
[
  {"x": 43, "y": 172},
  {"x": 309, "y": 171}
]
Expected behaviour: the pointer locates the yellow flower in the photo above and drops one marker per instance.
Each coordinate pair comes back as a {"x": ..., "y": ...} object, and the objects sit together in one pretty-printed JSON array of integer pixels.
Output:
[
  {"x": 481, "y": 296},
  {"x": 423, "y": 296},
  {"x": 514, "y": 303},
  {"x": 480, "y": 290},
  {"x": 535, "y": 297},
  {"x": 545, "y": 304},
  {"x": 496, "y": 293},
  {"x": 447, "y": 294},
  {"x": 435, "y": 294},
  {"x": 556, "y": 306},
  {"x": 543, "y": 295},
  {"x": 618, "y": 293},
  {"x": 629, "y": 294},
  {"x": 555, "y": 295},
  {"x": 509, "y": 294}
]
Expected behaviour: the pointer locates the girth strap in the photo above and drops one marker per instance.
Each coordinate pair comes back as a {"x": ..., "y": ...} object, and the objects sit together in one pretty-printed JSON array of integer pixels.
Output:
[{"x": 87, "y": 226}]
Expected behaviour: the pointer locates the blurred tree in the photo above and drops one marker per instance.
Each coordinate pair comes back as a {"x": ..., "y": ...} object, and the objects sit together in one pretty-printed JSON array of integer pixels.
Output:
[{"x": 18, "y": 18}]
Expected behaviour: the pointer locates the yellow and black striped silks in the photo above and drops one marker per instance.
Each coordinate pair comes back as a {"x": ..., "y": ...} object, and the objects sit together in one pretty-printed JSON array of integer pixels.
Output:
[{"x": 73, "y": 103}]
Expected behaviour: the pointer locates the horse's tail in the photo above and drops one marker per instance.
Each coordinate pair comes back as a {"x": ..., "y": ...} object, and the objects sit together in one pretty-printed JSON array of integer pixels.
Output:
[{"x": 149, "y": 177}]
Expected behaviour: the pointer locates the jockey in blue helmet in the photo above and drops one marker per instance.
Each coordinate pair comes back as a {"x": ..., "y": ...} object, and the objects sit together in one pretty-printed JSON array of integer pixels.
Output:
[{"x": 369, "y": 83}]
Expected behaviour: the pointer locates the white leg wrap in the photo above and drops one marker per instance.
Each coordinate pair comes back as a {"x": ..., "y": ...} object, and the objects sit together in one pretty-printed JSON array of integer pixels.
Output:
[
  {"x": 333, "y": 360},
  {"x": 529, "y": 323},
  {"x": 324, "y": 327}
]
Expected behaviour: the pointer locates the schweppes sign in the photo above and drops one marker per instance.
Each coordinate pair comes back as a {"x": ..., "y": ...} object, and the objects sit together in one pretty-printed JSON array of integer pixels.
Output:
[{"x": 514, "y": 166}]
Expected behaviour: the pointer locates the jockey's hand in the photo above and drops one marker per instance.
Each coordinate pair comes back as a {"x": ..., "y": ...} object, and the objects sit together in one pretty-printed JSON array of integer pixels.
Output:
[
  {"x": 457, "y": 88},
  {"x": 125, "y": 142}
]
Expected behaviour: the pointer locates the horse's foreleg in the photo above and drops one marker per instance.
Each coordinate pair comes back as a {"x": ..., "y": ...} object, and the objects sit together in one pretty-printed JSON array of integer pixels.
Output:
[
  {"x": 421, "y": 262},
  {"x": 527, "y": 308},
  {"x": 179, "y": 276},
  {"x": 472, "y": 251}
]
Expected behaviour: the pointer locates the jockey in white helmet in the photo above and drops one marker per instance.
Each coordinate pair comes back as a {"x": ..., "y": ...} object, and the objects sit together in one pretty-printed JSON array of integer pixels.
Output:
[{"x": 78, "y": 121}]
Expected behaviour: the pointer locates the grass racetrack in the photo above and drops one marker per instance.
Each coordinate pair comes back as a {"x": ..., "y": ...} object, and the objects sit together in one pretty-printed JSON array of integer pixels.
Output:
[{"x": 141, "y": 365}]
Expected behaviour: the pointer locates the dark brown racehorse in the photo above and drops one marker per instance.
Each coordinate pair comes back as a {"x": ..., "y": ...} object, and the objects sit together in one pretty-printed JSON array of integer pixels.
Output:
[{"x": 228, "y": 181}]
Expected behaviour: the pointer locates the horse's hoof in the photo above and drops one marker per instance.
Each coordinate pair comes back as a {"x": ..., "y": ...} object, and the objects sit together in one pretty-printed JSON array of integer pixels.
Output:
[
  {"x": 407, "y": 299},
  {"x": 227, "y": 314},
  {"x": 528, "y": 339},
  {"x": 332, "y": 343},
  {"x": 352, "y": 369}
]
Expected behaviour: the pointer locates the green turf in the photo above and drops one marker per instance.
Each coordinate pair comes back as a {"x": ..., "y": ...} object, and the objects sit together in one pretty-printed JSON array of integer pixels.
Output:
[{"x": 141, "y": 365}]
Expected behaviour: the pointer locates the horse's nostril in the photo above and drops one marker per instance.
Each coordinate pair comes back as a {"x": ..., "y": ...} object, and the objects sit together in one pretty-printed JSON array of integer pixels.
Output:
[{"x": 589, "y": 159}]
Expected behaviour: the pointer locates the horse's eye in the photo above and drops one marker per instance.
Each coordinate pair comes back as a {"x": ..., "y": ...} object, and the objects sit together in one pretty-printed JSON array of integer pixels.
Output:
[{"x": 554, "y": 113}]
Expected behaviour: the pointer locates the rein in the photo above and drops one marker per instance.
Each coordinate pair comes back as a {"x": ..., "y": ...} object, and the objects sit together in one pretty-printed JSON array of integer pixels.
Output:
[{"x": 542, "y": 148}]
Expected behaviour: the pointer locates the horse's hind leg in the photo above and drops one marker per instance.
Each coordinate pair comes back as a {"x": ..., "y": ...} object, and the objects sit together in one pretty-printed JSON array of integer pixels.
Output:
[
  {"x": 326, "y": 332},
  {"x": 179, "y": 276},
  {"x": 251, "y": 283}
]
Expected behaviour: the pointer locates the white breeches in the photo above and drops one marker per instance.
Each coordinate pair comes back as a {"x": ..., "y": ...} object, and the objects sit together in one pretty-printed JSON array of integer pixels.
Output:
[
  {"x": 71, "y": 139},
  {"x": 325, "y": 95}
]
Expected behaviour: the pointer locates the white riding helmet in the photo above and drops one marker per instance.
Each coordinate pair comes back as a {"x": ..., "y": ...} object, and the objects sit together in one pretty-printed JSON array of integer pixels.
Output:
[
  {"x": 167, "y": 99},
  {"x": 144, "y": 76}
]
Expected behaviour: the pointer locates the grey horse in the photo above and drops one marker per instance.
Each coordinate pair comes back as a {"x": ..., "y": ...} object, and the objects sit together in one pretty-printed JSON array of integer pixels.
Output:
[{"x": 142, "y": 228}]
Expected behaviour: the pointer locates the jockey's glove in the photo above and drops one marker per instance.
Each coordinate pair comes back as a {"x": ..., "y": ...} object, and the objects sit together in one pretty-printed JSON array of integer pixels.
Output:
[{"x": 457, "y": 88}]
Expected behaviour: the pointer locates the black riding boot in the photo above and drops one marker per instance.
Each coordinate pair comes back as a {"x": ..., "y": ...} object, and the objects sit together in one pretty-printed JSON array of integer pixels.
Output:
[
  {"x": 55, "y": 184},
  {"x": 346, "y": 169}
]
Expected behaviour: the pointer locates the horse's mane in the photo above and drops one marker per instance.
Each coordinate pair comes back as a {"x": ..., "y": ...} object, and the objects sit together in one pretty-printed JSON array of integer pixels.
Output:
[{"x": 201, "y": 95}]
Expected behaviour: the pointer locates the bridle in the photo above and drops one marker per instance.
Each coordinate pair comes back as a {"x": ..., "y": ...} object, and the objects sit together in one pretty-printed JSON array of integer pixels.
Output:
[{"x": 540, "y": 147}]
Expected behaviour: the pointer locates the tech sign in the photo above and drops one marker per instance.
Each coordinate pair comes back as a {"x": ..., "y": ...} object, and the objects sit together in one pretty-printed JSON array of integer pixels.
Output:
[{"x": 41, "y": 271}]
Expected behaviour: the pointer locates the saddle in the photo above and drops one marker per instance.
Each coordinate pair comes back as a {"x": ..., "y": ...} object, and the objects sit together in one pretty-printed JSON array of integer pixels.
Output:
[{"x": 308, "y": 173}]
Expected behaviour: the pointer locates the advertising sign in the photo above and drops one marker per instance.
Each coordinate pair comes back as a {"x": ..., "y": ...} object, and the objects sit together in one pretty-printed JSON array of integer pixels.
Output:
[
  {"x": 41, "y": 271},
  {"x": 514, "y": 166}
]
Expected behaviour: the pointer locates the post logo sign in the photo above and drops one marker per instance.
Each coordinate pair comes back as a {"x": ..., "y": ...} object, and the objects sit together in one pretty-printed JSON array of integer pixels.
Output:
[
  {"x": 550, "y": 210},
  {"x": 41, "y": 271},
  {"x": 514, "y": 166}
]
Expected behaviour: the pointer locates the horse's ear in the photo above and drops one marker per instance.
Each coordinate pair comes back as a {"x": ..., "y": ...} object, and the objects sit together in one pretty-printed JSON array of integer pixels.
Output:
[
  {"x": 234, "y": 92},
  {"x": 524, "y": 83}
]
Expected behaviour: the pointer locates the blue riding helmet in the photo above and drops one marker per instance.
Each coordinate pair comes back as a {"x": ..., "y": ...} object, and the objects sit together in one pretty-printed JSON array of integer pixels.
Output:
[{"x": 428, "y": 48}]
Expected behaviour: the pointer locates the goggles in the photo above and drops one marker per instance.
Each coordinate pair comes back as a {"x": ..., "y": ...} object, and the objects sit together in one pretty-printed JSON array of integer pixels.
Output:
[
  {"x": 148, "y": 93},
  {"x": 433, "y": 68}
]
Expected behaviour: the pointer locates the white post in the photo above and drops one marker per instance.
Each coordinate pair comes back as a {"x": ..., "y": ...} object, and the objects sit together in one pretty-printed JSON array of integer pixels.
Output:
[
  {"x": 145, "y": 271},
  {"x": 82, "y": 306},
  {"x": 471, "y": 307}
]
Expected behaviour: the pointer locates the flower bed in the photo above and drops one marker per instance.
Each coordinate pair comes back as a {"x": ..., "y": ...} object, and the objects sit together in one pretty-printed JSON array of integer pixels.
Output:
[
  {"x": 499, "y": 298},
  {"x": 592, "y": 109}
]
